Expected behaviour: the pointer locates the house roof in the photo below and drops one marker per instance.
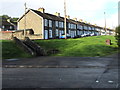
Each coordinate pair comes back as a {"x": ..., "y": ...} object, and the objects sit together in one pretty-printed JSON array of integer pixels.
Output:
[
  {"x": 57, "y": 18},
  {"x": 6, "y": 23}
]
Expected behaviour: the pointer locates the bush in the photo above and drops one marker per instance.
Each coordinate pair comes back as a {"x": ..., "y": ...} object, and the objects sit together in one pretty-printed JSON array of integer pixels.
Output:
[{"x": 117, "y": 30}]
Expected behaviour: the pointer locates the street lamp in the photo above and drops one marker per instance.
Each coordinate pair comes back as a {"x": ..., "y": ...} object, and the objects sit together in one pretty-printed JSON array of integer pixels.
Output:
[
  {"x": 65, "y": 29},
  {"x": 105, "y": 23},
  {"x": 25, "y": 21}
]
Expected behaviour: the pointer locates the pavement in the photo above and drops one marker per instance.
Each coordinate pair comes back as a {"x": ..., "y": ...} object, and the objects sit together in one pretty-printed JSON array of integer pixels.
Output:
[{"x": 62, "y": 72}]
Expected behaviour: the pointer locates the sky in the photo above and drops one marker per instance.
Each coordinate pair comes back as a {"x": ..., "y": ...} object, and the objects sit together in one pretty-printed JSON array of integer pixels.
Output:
[{"x": 91, "y": 11}]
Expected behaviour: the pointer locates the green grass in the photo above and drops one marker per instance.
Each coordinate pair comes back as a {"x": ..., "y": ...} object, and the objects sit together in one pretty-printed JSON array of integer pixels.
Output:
[
  {"x": 11, "y": 50},
  {"x": 84, "y": 47}
]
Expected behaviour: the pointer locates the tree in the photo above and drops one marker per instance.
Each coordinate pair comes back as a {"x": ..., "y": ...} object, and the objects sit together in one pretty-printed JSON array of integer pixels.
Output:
[
  {"x": 14, "y": 19},
  {"x": 117, "y": 30},
  {"x": 6, "y": 17}
]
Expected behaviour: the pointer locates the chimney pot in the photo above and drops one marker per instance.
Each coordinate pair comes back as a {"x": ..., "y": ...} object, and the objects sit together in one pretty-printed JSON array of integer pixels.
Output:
[
  {"x": 75, "y": 19},
  {"x": 57, "y": 14},
  {"x": 41, "y": 10},
  {"x": 67, "y": 16}
]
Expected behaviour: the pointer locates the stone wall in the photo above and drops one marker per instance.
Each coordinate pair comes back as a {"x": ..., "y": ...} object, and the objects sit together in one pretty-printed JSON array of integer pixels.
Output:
[
  {"x": 19, "y": 35},
  {"x": 6, "y": 35}
]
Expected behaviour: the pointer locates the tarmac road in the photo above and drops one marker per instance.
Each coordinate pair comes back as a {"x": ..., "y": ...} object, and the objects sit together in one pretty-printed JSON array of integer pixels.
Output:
[{"x": 62, "y": 72}]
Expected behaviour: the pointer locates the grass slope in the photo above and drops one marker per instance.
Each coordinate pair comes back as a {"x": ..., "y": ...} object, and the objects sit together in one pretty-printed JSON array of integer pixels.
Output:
[
  {"x": 84, "y": 47},
  {"x": 11, "y": 50}
]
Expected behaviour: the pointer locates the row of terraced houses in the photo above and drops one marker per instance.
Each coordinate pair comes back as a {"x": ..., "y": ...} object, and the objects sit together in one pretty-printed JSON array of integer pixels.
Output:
[{"x": 41, "y": 25}]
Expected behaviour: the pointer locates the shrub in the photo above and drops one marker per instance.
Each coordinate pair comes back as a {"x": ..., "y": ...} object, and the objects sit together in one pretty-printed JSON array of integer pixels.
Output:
[{"x": 117, "y": 30}]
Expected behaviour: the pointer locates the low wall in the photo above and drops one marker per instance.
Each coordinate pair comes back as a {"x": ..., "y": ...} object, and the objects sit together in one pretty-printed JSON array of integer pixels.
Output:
[
  {"x": 5, "y": 35},
  {"x": 9, "y": 35}
]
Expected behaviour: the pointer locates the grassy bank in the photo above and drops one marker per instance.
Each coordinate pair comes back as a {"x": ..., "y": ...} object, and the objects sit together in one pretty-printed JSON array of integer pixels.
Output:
[
  {"x": 10, "y": 50},
  {"x": 84, "y": 47}
]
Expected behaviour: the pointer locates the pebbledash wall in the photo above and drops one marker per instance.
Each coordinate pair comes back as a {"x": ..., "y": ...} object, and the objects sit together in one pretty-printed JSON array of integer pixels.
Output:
[{"x": 41, "y": 25}]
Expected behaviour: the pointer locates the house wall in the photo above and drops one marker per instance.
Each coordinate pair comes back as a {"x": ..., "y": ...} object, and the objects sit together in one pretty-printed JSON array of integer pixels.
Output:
[{"x": 34, "y": 22}]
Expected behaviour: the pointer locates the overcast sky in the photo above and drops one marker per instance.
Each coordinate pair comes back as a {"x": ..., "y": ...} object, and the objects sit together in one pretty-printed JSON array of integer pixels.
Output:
[{"x": 89, "y": 10}]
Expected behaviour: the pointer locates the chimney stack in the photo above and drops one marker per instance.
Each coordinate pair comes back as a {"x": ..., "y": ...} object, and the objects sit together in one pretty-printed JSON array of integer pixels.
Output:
[
  {"x": 57, "y": 14},
  {"x": 81, "y": 20},
  {"x": 75, "y": 19},
  {"x": 41, "y": 10},
  {"x": 67, "y": 16}
]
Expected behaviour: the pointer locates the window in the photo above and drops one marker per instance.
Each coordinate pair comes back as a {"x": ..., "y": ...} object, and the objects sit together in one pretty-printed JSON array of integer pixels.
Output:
[
  {"x": 72, "y": 34},
  {"x": 50, "y": 23},
  {"x": 89, "y": 28},
  {"x": 46, "y": 34},
  {"x": 61, "y": 24},
  {"x": 81, "y": 32},
  {"x": 56, "y": 23},
  {"x": 79, "y": 27},
  {"x": 78, "y": 32},
  {"x": 46, "y": 22},
  {"x": 73, "y": 26},
  {"x": 69, "y": 25},
  {"x": 93, "y": 28},
  {"x": 75, "y": 33},
  {"x": 85, "y": 27},
  {"x": 3, "y": 27},
  {"x": 50, "y": 33},
  {"x": 10, "y": 27},
  {"x": 62, "y": 31},
  {"x": 69, "y": 32},
  {"x": 57, "y": 32}
]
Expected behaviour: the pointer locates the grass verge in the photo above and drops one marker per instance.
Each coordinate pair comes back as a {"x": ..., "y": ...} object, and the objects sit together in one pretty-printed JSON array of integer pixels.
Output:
[
  {"x": 11, "y": 50},
  {"x": 84, "y": 47}
]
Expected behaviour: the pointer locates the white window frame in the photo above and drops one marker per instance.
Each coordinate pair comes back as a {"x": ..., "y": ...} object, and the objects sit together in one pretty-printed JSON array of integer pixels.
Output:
[
  {"x": 50, "y": 33},
  {"x": 50, "y": 23},
  {"x": 56, "y": 23},
  {"x": 57, "y": 33},
  {"x": 45, "y": 22}
]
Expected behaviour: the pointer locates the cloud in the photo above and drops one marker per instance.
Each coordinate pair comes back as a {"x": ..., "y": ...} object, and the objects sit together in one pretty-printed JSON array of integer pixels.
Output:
[{"x": 88, "y": 10}]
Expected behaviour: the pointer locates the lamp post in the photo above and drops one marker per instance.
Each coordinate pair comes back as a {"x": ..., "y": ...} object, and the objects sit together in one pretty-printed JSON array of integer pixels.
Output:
[
  {"x": 65, "y": 29},
  {"x": 105, "y": 23},
  {"x": 25, "y": 21}
]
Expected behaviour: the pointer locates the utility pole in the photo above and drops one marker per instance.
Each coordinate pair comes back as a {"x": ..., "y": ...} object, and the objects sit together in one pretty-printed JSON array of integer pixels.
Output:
[
  {"x": 105, "y": 24},
  {"x": 25, "y": 21},
  {"x": 65, "y": 29}
]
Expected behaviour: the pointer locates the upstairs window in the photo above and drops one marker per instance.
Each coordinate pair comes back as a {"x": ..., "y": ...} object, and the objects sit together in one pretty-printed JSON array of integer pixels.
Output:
[
  {"x": 50, "y": 23},
  {"x": 56, "y": 23},
  {"x": 61, "y": 24},
  {"x": 93, "y": 28},
  {"x": 79, "y": 26},
  {"x": 69, "y": 25},
  {"x": 89, "y": 28},
  {"x": 85, "y": 27},
  {"x": 45, "y": 22},
  {"x": 73, "y": 26}
]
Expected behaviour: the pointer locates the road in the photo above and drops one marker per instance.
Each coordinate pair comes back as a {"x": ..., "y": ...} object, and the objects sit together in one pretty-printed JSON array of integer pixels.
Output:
[{"x": 81, "y": 73}]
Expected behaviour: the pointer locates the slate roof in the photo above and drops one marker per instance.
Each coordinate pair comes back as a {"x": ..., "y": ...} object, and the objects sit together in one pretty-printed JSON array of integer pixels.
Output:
[{"x": 58, "y": 18}]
